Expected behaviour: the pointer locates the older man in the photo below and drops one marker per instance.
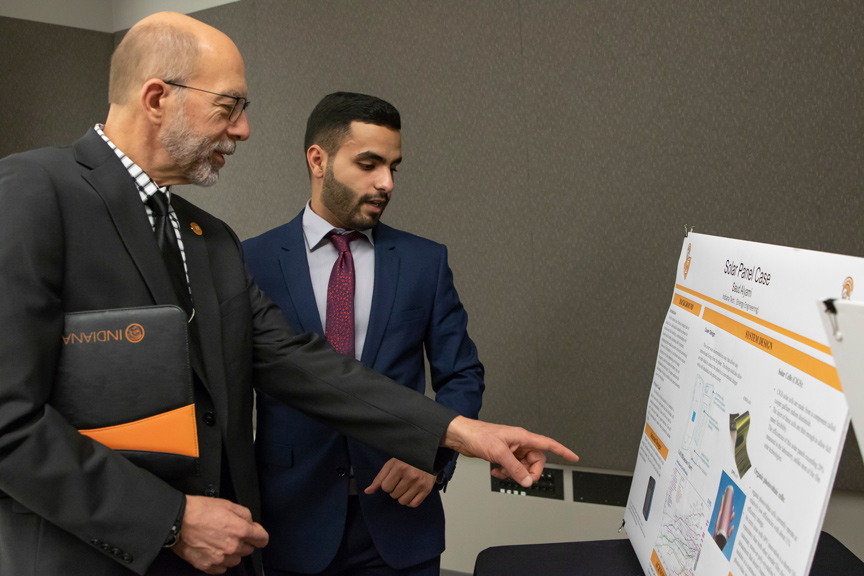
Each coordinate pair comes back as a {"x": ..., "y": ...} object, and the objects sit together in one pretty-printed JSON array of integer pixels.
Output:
[{"x": 94, "y": 226}]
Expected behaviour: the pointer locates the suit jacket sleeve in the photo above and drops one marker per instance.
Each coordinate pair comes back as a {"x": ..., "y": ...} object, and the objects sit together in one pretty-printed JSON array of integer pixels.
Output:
[
  {"x": 457, "y": 374},
  {"x": 455, "y": 369},
  {"x": 45, "y": 464},
  {"x": 306, "y": 373}
]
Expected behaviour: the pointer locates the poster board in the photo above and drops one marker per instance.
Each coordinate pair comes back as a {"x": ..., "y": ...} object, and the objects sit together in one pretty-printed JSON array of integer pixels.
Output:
[{"x": 746, "y": 416}]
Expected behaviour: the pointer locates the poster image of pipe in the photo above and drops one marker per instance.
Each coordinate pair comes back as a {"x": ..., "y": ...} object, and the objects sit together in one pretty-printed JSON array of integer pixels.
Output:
[{"x": 728, "y": 509}]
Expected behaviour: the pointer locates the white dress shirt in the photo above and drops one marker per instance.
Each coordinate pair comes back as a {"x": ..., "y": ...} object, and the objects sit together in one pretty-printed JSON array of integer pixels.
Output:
[{"x": 321, "y": 255}]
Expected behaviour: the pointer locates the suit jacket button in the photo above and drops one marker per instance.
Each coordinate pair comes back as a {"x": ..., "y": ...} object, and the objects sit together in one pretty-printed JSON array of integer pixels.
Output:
[
  {"x": 341, "y": 472},
  {"x": 96, "y": 542},
  {"x": 105, "y": 546},
  {"x": 127, "y": 558},
  {"x": 116, "y": 551},
  {"x": 209, "y": 418},
  {"x": 211, "y": 491}
]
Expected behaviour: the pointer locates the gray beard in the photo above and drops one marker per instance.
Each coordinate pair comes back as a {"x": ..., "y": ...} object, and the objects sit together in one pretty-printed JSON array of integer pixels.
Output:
[{"x": 192, "y": 152}]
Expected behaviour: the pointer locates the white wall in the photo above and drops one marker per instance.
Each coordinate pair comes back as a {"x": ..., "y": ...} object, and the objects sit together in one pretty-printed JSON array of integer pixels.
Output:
[
  {"x": 100, "y": 15},
  {"x": 128, "y": 12},
  {"x": 88, "y": 14},
  {"x": 478, "y": 518}
]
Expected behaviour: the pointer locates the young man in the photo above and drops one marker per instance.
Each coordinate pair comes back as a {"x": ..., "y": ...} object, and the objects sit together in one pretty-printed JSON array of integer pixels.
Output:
[
  {"x": 85, "y": 227},
  {"x": 320, "y": 518}
]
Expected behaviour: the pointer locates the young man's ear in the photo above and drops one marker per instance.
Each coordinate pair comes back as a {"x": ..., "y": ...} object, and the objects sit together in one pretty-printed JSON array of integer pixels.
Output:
[{"x": 316, "y": 159}]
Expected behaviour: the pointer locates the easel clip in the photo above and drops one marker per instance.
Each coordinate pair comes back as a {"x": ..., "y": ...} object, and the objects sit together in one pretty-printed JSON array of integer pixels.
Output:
[{"x": 831, "y": 310}]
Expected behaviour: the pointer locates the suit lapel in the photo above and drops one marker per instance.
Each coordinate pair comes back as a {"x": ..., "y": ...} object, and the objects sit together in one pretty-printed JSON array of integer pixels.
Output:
[
  {"x": 386, "y": 279},
  {"x": 207, "y": 318},
  {"x": 112, "y": 182},
  {"x": 295, "y": 271}
]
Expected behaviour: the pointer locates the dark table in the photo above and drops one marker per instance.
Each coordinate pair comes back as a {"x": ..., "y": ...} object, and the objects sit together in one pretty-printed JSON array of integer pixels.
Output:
[{"x": 616, "y": 558}]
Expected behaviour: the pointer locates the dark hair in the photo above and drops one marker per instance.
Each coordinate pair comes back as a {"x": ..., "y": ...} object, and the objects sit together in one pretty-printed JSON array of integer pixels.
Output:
[{"x": 331, "y": 119}]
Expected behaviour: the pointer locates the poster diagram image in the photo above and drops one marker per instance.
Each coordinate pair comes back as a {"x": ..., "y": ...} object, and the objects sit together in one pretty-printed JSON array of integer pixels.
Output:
[
  {"x": 649, "y": 496},
  {"x": 739, "y": 426},
  {"x": 727, "y": 514},
  {"x": 682, "y": 526},
  {"x": 703, "y": 395}
]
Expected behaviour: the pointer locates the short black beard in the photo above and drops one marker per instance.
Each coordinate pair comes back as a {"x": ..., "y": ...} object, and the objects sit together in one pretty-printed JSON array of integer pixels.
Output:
[{"x": 343, "y": 203}]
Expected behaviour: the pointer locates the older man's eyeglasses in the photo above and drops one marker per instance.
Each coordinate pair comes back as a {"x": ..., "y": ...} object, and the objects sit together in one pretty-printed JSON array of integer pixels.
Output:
[{"x": 240, "y": 104}]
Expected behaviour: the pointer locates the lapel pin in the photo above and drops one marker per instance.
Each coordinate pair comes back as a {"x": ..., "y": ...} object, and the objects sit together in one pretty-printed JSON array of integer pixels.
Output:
[{"x": 196, "y": 228}]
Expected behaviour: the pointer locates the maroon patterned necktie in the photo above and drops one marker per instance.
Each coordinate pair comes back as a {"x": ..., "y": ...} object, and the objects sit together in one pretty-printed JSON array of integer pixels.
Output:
[{"x": 339, "y": 331}]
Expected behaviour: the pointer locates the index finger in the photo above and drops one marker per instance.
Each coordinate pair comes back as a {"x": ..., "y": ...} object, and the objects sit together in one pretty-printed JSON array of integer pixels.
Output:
[
  {"x": 549, "y": 445},
  {"x": 377, "y": 482}
]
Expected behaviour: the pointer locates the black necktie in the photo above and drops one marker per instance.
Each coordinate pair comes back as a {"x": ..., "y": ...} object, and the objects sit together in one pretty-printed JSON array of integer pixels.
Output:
[{"x": 167, "y": 240}]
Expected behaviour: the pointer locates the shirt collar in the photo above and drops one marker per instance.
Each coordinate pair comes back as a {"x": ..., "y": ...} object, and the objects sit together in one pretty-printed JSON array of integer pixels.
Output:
[
  {"x": 146, "y": 186},
  {"x": 315, "y": 228}
]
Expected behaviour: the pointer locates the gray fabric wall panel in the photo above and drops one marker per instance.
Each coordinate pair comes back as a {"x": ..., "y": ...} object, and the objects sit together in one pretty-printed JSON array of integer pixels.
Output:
[
  {"x": 741, "y": 119},
  {"x": 55, "y": 83},
  {"x": 558, "y": 148}
]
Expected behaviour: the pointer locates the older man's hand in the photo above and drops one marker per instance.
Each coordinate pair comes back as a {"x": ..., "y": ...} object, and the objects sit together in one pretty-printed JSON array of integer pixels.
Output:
[
  {"x": 520, "y": 453},
  {"x": 216, "y": 534}
]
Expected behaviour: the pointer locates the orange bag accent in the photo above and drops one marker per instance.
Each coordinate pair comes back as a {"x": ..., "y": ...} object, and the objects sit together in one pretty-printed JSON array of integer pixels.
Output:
[{"x": 172, "y": 432}]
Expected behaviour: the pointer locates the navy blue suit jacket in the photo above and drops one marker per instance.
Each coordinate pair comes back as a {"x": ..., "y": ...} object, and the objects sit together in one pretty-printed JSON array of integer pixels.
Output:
[{"x": 302, "y": 464}]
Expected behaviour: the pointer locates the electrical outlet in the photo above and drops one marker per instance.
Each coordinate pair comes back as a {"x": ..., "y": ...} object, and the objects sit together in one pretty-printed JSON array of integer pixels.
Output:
[{"x": 550, "y": 485}]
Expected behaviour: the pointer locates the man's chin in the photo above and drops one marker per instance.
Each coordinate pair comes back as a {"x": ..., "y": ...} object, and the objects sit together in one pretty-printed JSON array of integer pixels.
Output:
[
  {"x": 205, "y": 180},
  {"x": 365, "y": 223},
  {"x": 365, "y": 220}
]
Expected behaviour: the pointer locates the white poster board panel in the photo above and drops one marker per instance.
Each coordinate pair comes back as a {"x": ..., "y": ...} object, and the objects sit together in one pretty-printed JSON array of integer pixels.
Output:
[{"x": 746, "y": 417}]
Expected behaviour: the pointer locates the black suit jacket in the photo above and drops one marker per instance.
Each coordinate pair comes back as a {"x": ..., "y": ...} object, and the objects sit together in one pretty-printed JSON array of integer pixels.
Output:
[{"x": 74, "y": 236}]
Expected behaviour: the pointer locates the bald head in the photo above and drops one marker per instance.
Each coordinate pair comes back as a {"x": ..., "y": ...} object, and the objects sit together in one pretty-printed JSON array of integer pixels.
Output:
[
  {"x": 175, "y": 83},
  {"x": 167, "y": 46}
]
